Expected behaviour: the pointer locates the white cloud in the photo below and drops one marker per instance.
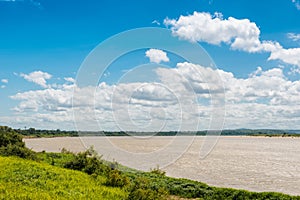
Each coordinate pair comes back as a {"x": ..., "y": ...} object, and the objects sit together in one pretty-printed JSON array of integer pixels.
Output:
[
  {"x": 190, "y": 77},
  {"x": 293, "y": 36},
  {"x": 203, "y": 27},
  {"x": 266, "y": 99},
  {"x": 69, "y": 79},
  {"x": 290, "y": 56},
  {"x": 4, "y": 80},
  {"x": 37, "y": 77},
  {"x": 44, "y": 100},
  {"x": 3, "y": 86},
  {"x": 157, "y": 56},
  {"x": 150, "y": 106},
  {"x": 240, "y": 34}
]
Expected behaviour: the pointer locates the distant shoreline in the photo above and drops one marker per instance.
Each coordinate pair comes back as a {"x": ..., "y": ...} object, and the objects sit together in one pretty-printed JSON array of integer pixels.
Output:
[
  {"x": 36, "y": 133},
  {"x": 148, "y": 136}
]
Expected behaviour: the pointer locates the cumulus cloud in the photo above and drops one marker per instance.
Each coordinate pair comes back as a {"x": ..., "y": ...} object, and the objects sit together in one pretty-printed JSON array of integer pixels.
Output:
[
  {"x": 157, "y": 56},
  {"x": 265, "y": 99},
  {"x": 150, "y": 106},
  {"x": 203, "y": 27},
  {"x": 240, "y": 34},
  {"x": 37, "y": 77},
  {"x": 188, "y": 77},
  {"x": 290, "y": 56}
]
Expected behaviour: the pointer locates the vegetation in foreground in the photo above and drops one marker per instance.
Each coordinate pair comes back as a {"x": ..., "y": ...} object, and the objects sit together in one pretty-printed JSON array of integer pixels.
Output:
[
  {"x": 25, "y": 179},
  {"x": 86, "y": 176}
]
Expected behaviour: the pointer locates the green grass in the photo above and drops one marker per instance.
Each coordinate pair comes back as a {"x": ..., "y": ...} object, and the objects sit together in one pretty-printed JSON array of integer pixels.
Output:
[{"x": 25, "y": 179}]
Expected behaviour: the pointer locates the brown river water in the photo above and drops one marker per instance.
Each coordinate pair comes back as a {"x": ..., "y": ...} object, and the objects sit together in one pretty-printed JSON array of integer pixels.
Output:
[{"x": 252, "y": 163}]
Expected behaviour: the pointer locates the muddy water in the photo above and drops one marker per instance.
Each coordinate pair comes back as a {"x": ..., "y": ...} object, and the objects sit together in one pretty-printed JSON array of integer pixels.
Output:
[{"x": 252, "y": 163}]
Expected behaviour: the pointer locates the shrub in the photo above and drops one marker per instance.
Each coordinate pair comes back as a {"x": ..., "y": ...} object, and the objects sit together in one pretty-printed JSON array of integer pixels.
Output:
[
  {"x": 11, "y": 144},
  {"x": 14, "y": 150},
  {"x": 88, "y": 162},
  {"x": 116, "y": 179},
  {"x": 9, "y": 137},
  {"x": 141, "y": 190}
]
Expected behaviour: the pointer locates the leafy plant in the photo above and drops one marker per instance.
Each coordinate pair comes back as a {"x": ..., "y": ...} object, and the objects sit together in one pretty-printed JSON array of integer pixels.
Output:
[
  {"x": 142, "y": 190},
  {"x": 11, "y": 144},
  {"x": 116, "y": 179}
]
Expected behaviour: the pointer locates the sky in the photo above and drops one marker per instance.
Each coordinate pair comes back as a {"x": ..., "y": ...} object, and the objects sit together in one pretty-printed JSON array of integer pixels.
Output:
[{"x": 246, "y": 75}]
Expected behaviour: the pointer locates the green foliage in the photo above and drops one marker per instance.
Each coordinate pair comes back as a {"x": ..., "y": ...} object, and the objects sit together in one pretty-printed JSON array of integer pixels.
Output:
[
  {"x": 24, "y": 179},
  {"x": 14, "y": 150},
  {"x": 9, "y": 137},
  {"x": 11, "y": 144},
  {"x": 32, "y": 132},
  {"x": 88, "y": 162},
  {"x": 142, "y": 190},
  {"x": 56, "y": 159},
  {"x": 116, "y": 179}
]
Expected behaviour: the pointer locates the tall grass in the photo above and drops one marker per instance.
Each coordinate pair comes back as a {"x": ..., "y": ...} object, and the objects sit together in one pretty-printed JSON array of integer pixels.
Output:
[{"x": 25, "y": 179}]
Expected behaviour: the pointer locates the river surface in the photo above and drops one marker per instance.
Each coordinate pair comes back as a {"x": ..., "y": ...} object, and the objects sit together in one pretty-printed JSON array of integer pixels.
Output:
[{"x": 252, "y": 163}]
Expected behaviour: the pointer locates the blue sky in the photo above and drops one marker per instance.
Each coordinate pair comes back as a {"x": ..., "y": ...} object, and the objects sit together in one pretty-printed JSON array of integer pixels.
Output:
[{"x": 54, "y": 37}]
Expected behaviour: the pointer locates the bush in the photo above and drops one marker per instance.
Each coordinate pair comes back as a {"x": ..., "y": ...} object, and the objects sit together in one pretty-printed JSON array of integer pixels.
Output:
[
  {"x": 14, "y": 150},
  {"x": 88, "y": 162},
  {"x": 141, "y": 190},
  {"x": 11, "y": 144},
  {"x": 9, "y": 137},
  {"x": 116, "y": 179}
]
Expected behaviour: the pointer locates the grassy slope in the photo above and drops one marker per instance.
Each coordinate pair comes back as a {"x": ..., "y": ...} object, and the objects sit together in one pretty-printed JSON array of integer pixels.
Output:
[{"x": 24, "y": 179}]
